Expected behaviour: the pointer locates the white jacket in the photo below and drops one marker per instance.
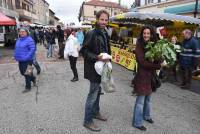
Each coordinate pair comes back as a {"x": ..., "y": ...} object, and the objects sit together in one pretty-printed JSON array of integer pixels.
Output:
[{"x": 72, "y": 47}]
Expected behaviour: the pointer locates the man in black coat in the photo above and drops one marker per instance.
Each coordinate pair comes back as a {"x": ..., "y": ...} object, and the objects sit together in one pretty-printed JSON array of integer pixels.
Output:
[
  {"x": 95, "y": 42},
  {"x": 60, "y": 35}
]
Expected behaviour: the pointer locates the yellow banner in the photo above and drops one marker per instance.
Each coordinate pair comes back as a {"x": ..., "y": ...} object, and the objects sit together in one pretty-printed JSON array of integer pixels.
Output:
[{"x": 123, "y": 57}]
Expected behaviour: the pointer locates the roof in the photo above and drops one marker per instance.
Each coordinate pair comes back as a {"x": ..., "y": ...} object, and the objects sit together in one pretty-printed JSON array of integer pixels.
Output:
[
  {"x": 6, "y": 21},
  {"x": 56, "y": 18},
  {"x": 156, "y": 19},
  {"x": 105, "y": 4}
]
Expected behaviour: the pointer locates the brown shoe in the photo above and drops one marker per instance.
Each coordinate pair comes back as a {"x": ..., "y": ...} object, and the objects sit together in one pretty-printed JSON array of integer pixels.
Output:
[
  {"x": 100, "y": 117},
  {"x": 91, "y": 126}
]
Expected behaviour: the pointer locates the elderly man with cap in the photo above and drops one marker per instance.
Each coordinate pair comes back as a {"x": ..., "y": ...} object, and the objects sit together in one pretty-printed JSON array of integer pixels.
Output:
[{"x": 24, "y": 54}]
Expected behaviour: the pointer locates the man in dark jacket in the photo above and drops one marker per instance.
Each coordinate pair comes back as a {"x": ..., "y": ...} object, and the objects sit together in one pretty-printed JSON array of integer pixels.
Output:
[
  {"x": 188, "y": 58},
  {"x": 60, "y": 35},
  {"x": 95, "y": 42}
]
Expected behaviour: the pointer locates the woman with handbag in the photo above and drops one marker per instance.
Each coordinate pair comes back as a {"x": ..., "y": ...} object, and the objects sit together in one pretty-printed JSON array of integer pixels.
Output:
[
  {"x": 24, "y": 54},
  {"x": 143, "y": 78}
]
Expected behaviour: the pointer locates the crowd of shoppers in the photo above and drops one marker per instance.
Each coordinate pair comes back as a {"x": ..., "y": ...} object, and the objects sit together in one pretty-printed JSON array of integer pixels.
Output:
[{"x": 91, "y": 46}]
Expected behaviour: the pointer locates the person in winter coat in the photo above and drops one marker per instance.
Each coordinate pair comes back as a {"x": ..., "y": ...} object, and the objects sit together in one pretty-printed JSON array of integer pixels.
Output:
[
  {"x": 142, "y": 80},
  {"x": 177, "y": 47},
  {"x": 50, "y": 37},
  {"x": 80, "y": 36},
  {"x": 35, "y": 38},
  {"x": 188, "y": 58},
  {"x": 71, "y": 51},
  {"x": 60, "y": 35},
  {"x": 96, "y": 41},
  {"x": 24, "y": 54}
]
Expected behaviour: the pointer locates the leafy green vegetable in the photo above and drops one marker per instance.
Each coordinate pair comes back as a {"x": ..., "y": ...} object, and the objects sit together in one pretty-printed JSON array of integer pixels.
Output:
[{"x": 162, "y": 49}]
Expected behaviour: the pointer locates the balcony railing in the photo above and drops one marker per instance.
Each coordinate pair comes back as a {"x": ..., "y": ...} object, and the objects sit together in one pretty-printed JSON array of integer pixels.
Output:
[{"x": 27, "y": 14}]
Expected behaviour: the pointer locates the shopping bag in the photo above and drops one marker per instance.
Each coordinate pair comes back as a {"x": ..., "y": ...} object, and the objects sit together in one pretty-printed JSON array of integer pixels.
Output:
[
  {"x": 107, "y": 82},
  {"x": 29, "y": 70}
]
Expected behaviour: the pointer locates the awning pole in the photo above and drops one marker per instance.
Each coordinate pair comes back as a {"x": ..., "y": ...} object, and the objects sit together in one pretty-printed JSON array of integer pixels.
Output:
[{"x": 196, "y": 9}]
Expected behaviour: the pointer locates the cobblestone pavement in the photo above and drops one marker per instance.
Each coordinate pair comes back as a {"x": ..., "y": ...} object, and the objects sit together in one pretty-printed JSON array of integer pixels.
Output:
[{"x": 57, "y": 105}]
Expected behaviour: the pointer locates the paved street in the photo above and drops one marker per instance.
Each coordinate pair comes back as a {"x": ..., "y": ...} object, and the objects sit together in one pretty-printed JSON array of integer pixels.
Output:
[{"x": 57, "y": 105}]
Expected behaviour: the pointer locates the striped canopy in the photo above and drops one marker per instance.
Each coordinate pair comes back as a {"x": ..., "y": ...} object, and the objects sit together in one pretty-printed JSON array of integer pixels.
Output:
[{"x": 156, "y": 19}]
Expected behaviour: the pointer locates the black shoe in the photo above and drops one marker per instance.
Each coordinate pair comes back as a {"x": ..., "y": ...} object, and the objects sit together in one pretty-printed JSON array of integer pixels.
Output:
[
  {"x": 101, "y": 93},
  {"x": 61, "y": 57},
  {"x": 34, "y": 82},
  {"x": 186, "y": 86},
  {"x": 142, "y": 128},
  {"x": 26, "y": 90},
  {"x": 74, "y": 79},
  {"x": 38, "y": 72},
  {"x": 150, "y": 121}
]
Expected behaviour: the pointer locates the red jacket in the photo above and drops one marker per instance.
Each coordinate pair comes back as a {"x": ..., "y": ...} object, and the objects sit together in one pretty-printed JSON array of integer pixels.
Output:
[{"x": 142, "y": 80}]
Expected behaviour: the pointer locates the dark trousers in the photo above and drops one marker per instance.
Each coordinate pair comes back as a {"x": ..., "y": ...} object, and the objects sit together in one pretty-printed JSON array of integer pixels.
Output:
[
  {"x": 72, "y": 61},
  {"x": 174, "y": 71},
  {"x": 61, "y": 49},
  {"x": 28, "y": 78},
  {"x": 186, "y": 75}
]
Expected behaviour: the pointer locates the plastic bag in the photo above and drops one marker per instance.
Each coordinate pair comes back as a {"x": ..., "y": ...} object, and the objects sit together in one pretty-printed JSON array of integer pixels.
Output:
[
  {"x": 29, "y": 70},
  {"x": 107, "y": 82},
  {"x": 99, "y": 66}
]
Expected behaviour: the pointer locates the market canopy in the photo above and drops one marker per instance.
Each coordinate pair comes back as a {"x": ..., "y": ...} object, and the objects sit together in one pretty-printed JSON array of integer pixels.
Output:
[
  {"x": 6, "y": 21},
  {"x": 156, "y": 19}
]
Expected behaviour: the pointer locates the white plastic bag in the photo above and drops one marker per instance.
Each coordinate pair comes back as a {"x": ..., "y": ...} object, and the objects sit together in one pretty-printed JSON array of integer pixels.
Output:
[
  {"x": 99, "y": 66},
  {"x": 107, "y": 82}
]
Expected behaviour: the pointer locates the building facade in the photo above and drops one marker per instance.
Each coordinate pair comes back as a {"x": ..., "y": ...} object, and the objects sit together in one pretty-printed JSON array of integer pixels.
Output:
[
  {"x": 26, "y": 11},
  {"x": 42, "y": 11},
  {"x": 51, "y": 17},
  {"x": 7, "y": 7},
  {"x": 88, "y": 9},
  {"x": 180, "y": 7}
]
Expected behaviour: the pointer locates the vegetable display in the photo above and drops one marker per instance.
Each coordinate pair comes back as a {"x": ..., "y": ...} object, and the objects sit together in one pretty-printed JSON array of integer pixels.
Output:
[{"x": 161, "y": 50}]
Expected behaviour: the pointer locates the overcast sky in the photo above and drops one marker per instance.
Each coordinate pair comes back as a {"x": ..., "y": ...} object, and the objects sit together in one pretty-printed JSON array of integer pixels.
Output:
[{"x": 67, "y": 10}]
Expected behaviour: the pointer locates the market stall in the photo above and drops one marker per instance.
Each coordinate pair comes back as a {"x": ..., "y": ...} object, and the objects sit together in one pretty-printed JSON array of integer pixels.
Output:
[
  {"x": 8, "y": 32},
  {"x": 166, "y": 24}
]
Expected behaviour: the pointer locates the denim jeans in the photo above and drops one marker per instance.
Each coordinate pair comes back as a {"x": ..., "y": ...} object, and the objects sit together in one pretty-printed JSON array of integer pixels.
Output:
[
  {"x": 36, "y": 64},
  {"x": 141, "y": 110},
  {"x": 50, "y": 50},
  {"x": 92, "y": 102},
  {"x": 28, "y": 78}
]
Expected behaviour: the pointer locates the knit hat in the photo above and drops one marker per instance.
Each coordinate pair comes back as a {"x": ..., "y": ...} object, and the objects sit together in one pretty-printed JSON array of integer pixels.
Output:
[{"x": 24, "y": 29}]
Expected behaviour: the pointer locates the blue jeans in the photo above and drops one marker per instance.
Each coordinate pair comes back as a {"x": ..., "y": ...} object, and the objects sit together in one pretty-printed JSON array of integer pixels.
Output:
[
  {"x": 36, "y": 64},
  {"x": 92, "y": 102},
  {"x": 50, "y": 50},
  {"x": 141, "y": 110}
]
